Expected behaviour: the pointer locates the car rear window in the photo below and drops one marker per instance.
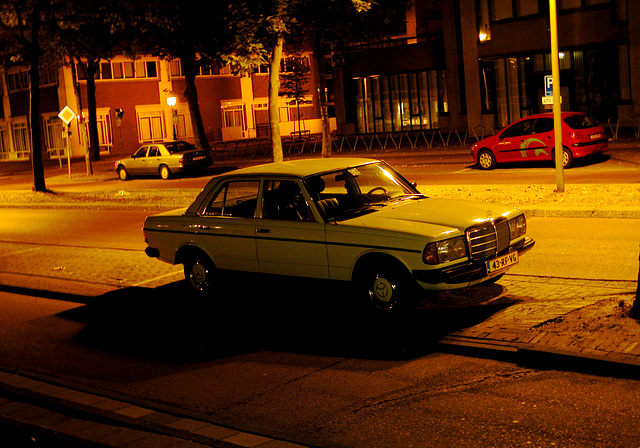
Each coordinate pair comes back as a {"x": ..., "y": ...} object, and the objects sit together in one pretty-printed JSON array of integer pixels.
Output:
[
  {"x": 178, "y": 147},
  {"x": 579, "y": 122}
]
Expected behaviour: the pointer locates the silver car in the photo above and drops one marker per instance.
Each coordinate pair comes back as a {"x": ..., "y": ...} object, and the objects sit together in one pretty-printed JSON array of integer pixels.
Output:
[{"x": 164, "y": 159}]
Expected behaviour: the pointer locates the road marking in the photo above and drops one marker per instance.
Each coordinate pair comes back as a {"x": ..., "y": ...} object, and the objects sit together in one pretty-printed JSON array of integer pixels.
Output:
[
  {"x": 144, "y": 282},
  {"x": 19, "y": 252}
]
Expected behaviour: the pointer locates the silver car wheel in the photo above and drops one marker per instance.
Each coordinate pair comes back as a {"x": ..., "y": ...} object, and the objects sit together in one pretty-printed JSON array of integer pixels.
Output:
[
  {"x": 165, "y": 172},
  {"x": 199, "y": 272}
]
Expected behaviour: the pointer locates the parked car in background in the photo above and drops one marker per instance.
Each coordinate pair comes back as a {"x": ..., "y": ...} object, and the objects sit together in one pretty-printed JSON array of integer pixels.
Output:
[
  {"x": 163, "y": 159},
  {"x": 344, "y": 219},
  {"x": 532, "y": 139}
]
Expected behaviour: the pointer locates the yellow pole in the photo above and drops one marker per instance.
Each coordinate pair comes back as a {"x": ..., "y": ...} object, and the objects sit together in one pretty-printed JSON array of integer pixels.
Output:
[{"x": 555, "y": 76}]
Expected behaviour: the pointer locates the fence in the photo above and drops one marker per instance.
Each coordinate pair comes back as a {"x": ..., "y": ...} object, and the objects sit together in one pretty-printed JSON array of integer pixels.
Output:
[{"x": 408, "y": 140}]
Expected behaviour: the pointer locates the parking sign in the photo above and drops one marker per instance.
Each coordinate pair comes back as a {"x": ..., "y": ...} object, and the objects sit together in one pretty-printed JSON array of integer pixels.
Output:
[{"x": 548, "y": 85}]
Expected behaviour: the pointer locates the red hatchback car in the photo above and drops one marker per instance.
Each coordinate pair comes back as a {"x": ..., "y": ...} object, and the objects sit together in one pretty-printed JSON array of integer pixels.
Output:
[{"x": 532, "y": 139}]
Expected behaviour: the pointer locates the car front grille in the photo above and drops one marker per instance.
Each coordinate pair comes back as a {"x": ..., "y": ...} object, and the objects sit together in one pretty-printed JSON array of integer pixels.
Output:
[{"x": 488, "y": 239}]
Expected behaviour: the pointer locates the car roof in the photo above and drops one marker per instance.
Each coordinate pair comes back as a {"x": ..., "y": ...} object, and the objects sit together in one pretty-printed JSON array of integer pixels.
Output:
[
  {"x": 549, "y": 115},
  {"x": 302, "y": 167}
]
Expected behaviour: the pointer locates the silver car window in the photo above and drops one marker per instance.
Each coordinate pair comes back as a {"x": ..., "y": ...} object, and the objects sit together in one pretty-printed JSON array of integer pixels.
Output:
[{"x": 237, "y": 199}]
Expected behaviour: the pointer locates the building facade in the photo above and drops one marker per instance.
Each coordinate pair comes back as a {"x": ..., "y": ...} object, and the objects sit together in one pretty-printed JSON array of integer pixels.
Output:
[
  {"x": 232, "y": 107},
  {"x": 478, "y": 65}
]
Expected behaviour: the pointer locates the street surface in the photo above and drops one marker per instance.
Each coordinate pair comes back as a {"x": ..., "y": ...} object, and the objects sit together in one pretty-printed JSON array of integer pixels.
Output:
[{"x": 83, "y": 304}]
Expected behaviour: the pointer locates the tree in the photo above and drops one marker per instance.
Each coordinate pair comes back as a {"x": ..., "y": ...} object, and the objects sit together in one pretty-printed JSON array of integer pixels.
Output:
[
  {"x": 188, "y": 31},
  {"x": 294, "y": 81},
  {"x": 331, "y": 22},
  {"x": 261, "y": 31},
  {"x": 22, "y": 25},
  {"x": 87, "y": 32}
]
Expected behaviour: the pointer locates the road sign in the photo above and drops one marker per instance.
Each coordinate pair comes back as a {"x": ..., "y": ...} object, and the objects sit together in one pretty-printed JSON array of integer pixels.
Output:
[
  {"x": 67, "y": 115},
  {"x": 548, "y": 85}
]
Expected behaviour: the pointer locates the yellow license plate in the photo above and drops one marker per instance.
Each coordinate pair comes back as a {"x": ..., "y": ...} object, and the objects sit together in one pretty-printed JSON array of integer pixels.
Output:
[{"x": 503, "y": 262}]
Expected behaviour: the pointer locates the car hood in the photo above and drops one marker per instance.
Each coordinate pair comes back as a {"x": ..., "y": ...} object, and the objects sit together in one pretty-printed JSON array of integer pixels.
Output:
[{"x": 431, "y": 216}]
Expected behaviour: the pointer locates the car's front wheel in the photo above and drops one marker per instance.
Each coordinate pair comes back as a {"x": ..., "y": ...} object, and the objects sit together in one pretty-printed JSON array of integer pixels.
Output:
[
  {"x": 200, "y": 273},
  {"x": 165, "y": 172},
  {"x": 486, "y": 160},
  {"x": 389, "y": 288},
  {"x": 122, "y": 173}
]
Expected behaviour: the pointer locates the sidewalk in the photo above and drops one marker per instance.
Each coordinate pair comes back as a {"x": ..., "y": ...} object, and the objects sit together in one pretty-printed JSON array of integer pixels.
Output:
[{"x": 528, "y": 322}]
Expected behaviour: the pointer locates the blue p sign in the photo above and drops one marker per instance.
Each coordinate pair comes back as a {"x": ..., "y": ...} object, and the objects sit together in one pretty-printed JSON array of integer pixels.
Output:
[{"x": 548, "y": 85}]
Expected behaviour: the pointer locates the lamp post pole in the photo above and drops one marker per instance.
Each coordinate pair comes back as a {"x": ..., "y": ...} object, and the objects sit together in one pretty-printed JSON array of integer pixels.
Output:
[
  {"x": 557, "y": 110},
  {"x": 171, "y": 101}
]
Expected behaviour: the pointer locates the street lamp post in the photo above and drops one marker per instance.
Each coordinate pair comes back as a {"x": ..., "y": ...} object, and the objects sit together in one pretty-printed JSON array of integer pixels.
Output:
[
  {"x": 171, "y": 101},
  {"x": 557, "y": 111}
]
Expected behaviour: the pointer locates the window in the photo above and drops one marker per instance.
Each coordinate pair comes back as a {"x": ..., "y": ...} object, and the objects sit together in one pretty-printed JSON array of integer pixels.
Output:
[
  {"x": 235, "y": 199},
  {"x": 53, "y": 140},
  {"x": 233, "y": 116},
  {"x": 4, "y": 143},
  {"x": 121, "y": 70},
  {"x": 625, "y": 77},
  {"x": 18, "y": 81},
  {"x": 105, "y": 135},
  {"x": 283, "y": 200},
  {"x": 150, "y": 126},
  {"x": 404, "y": 102},
  {"x": 21, "y": 142}
]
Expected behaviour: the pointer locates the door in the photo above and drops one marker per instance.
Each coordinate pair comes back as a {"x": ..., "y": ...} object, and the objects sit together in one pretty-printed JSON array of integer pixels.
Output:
[
  {"x": 518, "y": 142},
  {"x": 137, "y": 163},
  {"x": 152, "y": 162},
  {"x": 289, "y": 240},
  {"x": 226, "y": 227}
]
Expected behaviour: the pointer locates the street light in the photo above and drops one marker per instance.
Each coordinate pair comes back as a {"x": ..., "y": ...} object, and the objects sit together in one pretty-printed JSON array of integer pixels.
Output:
[{"x": 171, "y": 101}]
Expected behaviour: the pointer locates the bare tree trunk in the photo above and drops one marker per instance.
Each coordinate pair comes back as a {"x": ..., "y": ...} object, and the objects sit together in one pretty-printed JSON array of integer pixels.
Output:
[
  {"x": 34, "y": 103},
  {"x": 191, "y": 94},
  {"x": 274, "y": 94},
  {"x": 324, "y": 113},
  {"x": 94, "y": 140}
]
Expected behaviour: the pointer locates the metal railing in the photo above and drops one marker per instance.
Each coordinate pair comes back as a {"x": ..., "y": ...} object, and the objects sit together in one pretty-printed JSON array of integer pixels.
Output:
[{"x": 382, "y": 141}]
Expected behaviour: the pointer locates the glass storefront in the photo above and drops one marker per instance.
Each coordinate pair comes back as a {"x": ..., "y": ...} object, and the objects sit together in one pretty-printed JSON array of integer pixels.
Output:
[
  {"x": 402, "y": 102},
  {"x": 512, "y": 87}
]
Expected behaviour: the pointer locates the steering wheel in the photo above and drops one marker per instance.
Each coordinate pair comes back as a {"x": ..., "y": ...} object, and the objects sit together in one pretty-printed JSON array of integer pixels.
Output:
[{"x": 381, "y": 189}]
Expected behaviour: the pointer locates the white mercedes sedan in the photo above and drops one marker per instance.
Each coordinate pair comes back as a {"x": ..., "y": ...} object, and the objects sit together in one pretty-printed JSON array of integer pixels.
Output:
[{"x": 341, "y": 219}]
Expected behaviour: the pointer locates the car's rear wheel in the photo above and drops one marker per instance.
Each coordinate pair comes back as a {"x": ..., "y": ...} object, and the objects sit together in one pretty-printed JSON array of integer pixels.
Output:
[
  {"x": 165, "y": 172},
  {"x": 122, "y": 173},
  {"x": 486, "y": 160},
  {"x": 388, "y": 287},
  {"x": 200, "y": 273},
  {"x": 567, "y": 158}
]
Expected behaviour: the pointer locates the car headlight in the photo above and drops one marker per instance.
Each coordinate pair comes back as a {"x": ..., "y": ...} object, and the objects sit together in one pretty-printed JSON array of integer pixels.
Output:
[
  {"x": 517, "y": 226},
  {"x": 445, "y": 251}
]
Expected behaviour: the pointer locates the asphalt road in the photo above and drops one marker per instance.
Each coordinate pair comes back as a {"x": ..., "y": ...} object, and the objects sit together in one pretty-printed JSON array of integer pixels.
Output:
[{"x": 287, "y": 361}]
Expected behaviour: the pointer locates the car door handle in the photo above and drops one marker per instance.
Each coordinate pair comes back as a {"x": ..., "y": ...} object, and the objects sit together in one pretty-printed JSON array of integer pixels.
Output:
[{"x": 263, "y": 231}]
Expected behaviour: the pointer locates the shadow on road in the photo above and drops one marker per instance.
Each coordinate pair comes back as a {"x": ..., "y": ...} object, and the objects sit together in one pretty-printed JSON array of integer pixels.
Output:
[{"x": 306, "y": 317}]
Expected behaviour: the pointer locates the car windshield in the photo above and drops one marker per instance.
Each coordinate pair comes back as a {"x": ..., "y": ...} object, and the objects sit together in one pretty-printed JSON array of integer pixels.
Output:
[
  {"x": 178, "y": 147},
  {"x": 358, "y": 190},
  {"x": 579, "y": 122}
]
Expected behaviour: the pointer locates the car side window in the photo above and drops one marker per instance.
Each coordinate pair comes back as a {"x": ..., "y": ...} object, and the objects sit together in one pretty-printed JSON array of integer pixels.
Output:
[
  {"x": 283, "y": 200},
  {"x": 154, "y": 151},
  {"x": 236, "y": 198},
  {"x": 141, "y": 152},
  {"x": 543, "y": 125},
  {"x": 524, "y": 127}
]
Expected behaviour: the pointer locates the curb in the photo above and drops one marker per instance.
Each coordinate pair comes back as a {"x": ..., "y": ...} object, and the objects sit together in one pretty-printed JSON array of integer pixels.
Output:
[{"x": 80, "y": 419}]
